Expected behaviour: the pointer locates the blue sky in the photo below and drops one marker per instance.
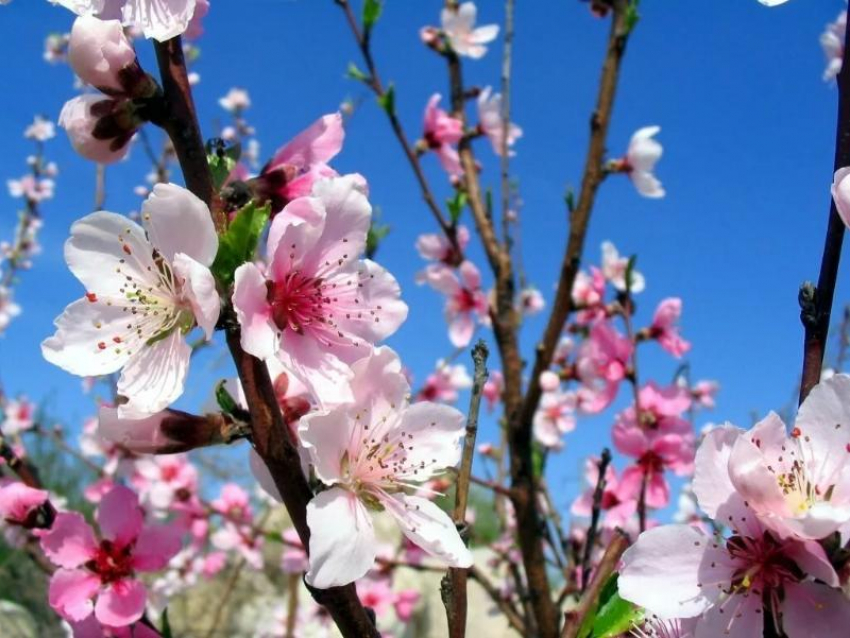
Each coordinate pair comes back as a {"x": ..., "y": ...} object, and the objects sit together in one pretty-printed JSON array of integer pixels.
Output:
[{"x": 747, "y": 127}]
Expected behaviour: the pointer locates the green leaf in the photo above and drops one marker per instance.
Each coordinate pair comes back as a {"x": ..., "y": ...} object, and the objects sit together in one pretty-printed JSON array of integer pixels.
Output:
[
  {"x": 222, "y": 159},
  {"x": 376, "y": 234},
  {"x": 632, "y": 16},
  {"x": 612, "y": 615},
  {"x": 371, "y": 13},
  {"x": 387, "y": 100},
  {"x": 239, "y": 242},
  {"x": 225, "y": 401},
  {"x": 166, "y": 625},
  {"x": 456, "y": 205},
  {"x": 354, "y": 73},
  {"x": 538, "y": 461}
]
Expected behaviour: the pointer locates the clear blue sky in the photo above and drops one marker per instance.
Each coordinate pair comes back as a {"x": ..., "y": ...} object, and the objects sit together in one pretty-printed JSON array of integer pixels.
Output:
[{"x": 747, "y": 127}]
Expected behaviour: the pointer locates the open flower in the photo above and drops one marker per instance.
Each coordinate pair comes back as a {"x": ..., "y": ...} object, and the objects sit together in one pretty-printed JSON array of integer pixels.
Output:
[
  {"x": 157, "y": 19},
  {"x": 491, "y": 123},
  {"x": 317, "y": 306},
  {"x": 301, "y": 162},
  {"x": 463, "y": 37},
  {"x": 665, "y": 327},
  {"x": 444, "y": 383},
  {"x": 554, "y": 417},
  {"x": 106, "y": 569},
  {"x": 146, "y": 289},
  {"x": 465, "y": 300},
  {"x": 370, "y": 453},
  {"x": 440, "y": 131},
  {"x": 641, "y": 158},
  {"x": 614, "y": 269},
  {"x": 619, "y": 502}
]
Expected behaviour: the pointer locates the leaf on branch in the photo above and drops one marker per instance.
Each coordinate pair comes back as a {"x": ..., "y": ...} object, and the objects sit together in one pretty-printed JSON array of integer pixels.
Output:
[
  {"x": 387, "y": 100},
  {"x": 225, "y": 401},
  {"x": 166, "y": 624},
  {"x": 354, "y": 73},
  {"x": 239, "y": 243},
  {"x": 612, "y": 615},
  {"x": 376, "y": 234},
  {"x": 222, "y": 159},
  {"x": 371, "y": 12},
  {"x": 570, "y": 199},
  {"x": 456, "y": 205},
  {"x": 632, "y": 16}
]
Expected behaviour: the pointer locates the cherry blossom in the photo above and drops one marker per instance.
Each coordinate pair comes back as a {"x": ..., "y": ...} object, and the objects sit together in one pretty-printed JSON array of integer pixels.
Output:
[
  {"x": 318, "y": 308},
  {"x": 165, "y": 432},
  {"x": 436, "y": 247},
  {"x": 440, "y": 131},
  {"x": 18, "y": 502},
  {"x": 601, "y": 364},
  {"x": 618, "y": 502},
  {"x": 665, "y": 327},
  {"x": 531, "y": 301},
  {"x": 841, "y": 194},
  {"x": 157, "y": 19},
  {"x": 554, "y": 417},
  {"x": 465, "y": 301},
  {"x": 463, "y": 37},
  {"x": 368, "y": 453},
  {"x": 798, "y": 483},
  {"x": 299, "y": 164},
  {"x": 8, "y": 308},
  {"x": 41, "y": 130},
  {"x": 106, "y": 569},
  {"x": 146, "y": 289},
  {"x": 99, "y": 128},
  {"x": 491, "y": 123},
  {"x": 102, "y": 56},
  {"x": 444, "y": 383},
  {"x": 235, "y": 101},
  {"x": 614, "y": 270},
  {"x": 492, "y": 390},
  {"x": 31, "y": 188},
  {"x": 162, "y": 480},
  {"x": 641, "y": 158},
  {"x": 703, "y": 393},
  {"x": 18, "y": 416},
  {"x": 832, "y": 43},
  {"x": 588, "y": 294}
]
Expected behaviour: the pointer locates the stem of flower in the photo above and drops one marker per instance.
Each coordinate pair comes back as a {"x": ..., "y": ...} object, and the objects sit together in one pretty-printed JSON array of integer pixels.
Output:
[{"x": 590, "y": 541}]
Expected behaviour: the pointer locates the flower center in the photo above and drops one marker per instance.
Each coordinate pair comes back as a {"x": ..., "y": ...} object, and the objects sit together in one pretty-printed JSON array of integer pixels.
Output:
[
  {"x": 112, "y": 563},
  {"x": 297, "y": 302},
  {"x": 763, "y": 563}
]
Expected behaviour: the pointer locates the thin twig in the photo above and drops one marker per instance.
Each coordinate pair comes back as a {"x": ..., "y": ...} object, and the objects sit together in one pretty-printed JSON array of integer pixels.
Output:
[
  {"x": 506, "y": 121},
  {"x": 454, "y": 582},
  {"x": 590, "y": 541},
  {"x": 816, "y": 312},
  {"x": 603, "y": 571}
]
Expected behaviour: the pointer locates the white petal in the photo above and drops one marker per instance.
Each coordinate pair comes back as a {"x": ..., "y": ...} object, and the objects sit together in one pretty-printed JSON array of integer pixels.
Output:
[
  {"x": 264, "y": 477},
  {"x": 712, "y": 485},
  {"x": 159, "y": 19},
  {"x": 154, "y": 377},
  {"x": 326, "y": 435},
  {"x": 324, "y": 374},
  {"x": 429, "y": 527},
  {"x": 434, "y": 432},
  {"x": 199, "y": 287},
  {"x": 259, "y": 336},
  {"x": 179, "y": 222},
  {"x": 342, "y": 539}
]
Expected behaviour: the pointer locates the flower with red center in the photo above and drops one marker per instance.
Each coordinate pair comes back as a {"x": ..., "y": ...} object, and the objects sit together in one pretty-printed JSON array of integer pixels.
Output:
[
  {"x": 554, "y": 417},
  {"x": 440, "y": 131},
  {"x": 106, "y": 568},
  {"x": 317, "y": 306},
  {"x": 618, "y": 500},
  {"x": 465, "y": 301},
  {"x": 665, "y": 327}
]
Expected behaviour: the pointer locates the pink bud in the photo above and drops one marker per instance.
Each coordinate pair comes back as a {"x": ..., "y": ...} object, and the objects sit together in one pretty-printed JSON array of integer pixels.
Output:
[
  {"x": 102, "y": 56},
  {"x": 18, "y": 502},
  {"x": 166, "y": 432},
  {"x": 98, "y": 128},
  {"x": 841, "y": 194},
  {"x": 549, "y": 381}
]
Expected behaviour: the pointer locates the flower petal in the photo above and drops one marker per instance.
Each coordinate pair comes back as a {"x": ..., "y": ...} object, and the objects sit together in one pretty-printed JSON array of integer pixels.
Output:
[
  {"x": 121, "y": 603},
  {"x": 179, "y": 222},
  {"x": 812, "y": 609},
  {"x": 712, "y": 485},
  {"x": 156, "y": 546},
  {"x": 70, "y": 542},
  {"x": 199, "y": 288},
  {"x": 119, "y": 516},
  {"x": 434, "y": 432},
  {"x": 342, "y": 539},
  {"x": 259, "y": 335},
  {"x": 327, "y": 435},
  {"x": 319, "y": 143},
  {"x": 71, "y": 591},
  {"x": 159, "y": 19},
  {"x": 429, "y": 527}
]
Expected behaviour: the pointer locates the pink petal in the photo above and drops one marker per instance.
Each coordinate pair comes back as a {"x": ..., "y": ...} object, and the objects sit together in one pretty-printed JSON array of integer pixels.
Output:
[
  {"x": 461, "y": 329},
  {"x": 811, "y": 609},
  {"x": 121, "y": 603},
  {"x": 319, "y": 143},
  {"x": 179, "y": 222},
  {"x": 119, "y": 516},
  {"x": 712, "y": 485},
  {"x": 199, "y": 288},
  {"x": 739, "y": 617},
  {"x": 429, "y": 527},
  {"x": 155, "y": 546},
  {"x": 71, "y": 591},
  {"x": 259, "y": 335},
  {"x": 70, "y": 542}
]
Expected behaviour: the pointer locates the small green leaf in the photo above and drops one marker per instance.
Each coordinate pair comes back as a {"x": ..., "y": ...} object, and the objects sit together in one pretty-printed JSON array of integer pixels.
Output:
[
  {"x": 166, "y": 625},
  {"x": 222, "y": 159},
  {"x": 611, "y": 615},
  {"x": 387, "y": 100},
  {"x": 225, "y": 401},
  {"x": 456, "y": 205},
  {"x": 376, "y": 234},
  {"x": 371, "y": 13},
  {"x": 632, "y": 16},
  {"x": 538, "y": 461},
  {"x": 239, "y": 242},
  {"x": 570, "y": 199},
  {"x": 354, "y": 73}
]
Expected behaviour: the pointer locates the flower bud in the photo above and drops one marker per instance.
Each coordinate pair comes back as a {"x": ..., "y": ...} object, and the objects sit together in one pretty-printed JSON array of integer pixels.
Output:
[
  {"x": 102, "y": 56},
  {"x": 99, "y": 128},
  {"x": 841, "y": 194},
  {"x": 20, "y": 504}
]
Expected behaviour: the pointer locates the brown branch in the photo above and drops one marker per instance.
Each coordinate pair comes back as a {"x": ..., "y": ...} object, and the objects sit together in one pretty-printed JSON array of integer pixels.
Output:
[
  {"x": 590, "y": 541},
  {"x": 375, "y": 84},
  {"x": 454, "y": 582},
  {"x": 603, "y": 571},
  {"x": 271, "y": 435},
  {"x": 816, "y": 312}
]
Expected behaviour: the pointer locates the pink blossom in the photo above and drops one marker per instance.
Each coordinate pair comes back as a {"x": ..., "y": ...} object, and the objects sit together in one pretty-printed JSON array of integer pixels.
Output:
[
  {"x": 531, "y": 301},
  {"x": 242, "y": 539},
  {"x": 614, "y": 269},
  {"x": 196, "y": 28},
  {"x": 157, "y": 19},
  {"x": 841, "y": 194},
  {"x": 376, "y": 594},
  {"x": 554, "y": 417},
  {"x": 367, "y": 452},
  {"x": 146, "y": 289},
  {"x": 665, "y": 327},
  {"x": 436, "y": 247},
  {"x": 588, "y": 294},
  {"x": 492, "y": 391},
  {"x": 405, "y": 602},
  {"x": 99, "y": 128},
  {"x": 798, "y": 484},
  {"x": 161, "y": 480},
  {"x": 102, "y": 56},
  {"x": 491, "y": 123},
  {"x": 601, "y": 363},
  {"x": 233, "y": 503},
  {"x": 8, "y": 308},
  {"x": 444, "y": 383},
  {"x": 31, "y": 188},
  {"x": 618, "y": 502},
  {"x": 106, "y": 569},
  {"x": 41, "y": 130},
  {"x": 703, "y": 393},
  {"x": 18, "y": 416},
  {"x": 440, "y": 131},
  {"x": 318, "y": 307},
  {"x": 465, "y": 300},
  {"x": 91, "y": 628},
  {"x": 299, "y": 164},
  {"x": 18, "y": 502},
  {"x": 236, "y": 100},
  {"x": 166, "y": 432},
  {"x": 641, "y": 158},
  {"x": 549, "y": 381},
  {"x": 677, "y": 571},
  {"x": 294, "y": 558},
  {"x": 464, "y": 38},
  {"x": 832, "y": 43}
]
